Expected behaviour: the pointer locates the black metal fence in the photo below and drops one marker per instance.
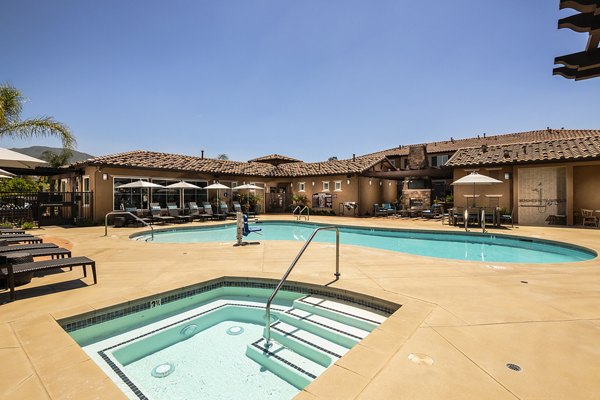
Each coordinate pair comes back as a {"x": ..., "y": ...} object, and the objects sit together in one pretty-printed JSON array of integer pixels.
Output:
[{"x": 46, "y": 208}]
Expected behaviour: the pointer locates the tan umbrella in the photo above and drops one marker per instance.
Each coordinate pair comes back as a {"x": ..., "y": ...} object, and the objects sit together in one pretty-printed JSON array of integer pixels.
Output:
[
  {"x": 475, "y": 179},
  {"x": 13, "y": 159},
  {"x": 248, "y": 186}
]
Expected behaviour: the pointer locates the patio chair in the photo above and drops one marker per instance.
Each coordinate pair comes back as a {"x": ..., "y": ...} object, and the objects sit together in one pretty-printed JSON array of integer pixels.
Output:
[
  {"x": 53, "y": 252},
  {"x": 157, "y": 216},
  {"x": 507, "y": 217},
  {"x": 238, "y": 208},
  {"x": 9, "y": 231},
  {"x": 588, "y": 217},
  {"x": 22, "y": 263},
  {"x": 379, "y": 211},
  {"x": 458, "y": 216},
  {"x": 4, "y": 247},
  {"x": 388, "y": 208},
  {"x": 174, "y": 212},
  {"x": 225, "y": 211}
]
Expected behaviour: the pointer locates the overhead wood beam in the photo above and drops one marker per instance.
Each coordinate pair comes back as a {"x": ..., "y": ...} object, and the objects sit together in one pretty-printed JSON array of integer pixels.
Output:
[{"x": 580, "y": 5}]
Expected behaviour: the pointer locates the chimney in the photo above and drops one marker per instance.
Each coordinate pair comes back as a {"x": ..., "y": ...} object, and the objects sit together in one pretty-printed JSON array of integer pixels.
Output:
[
  {"x": 202, "y": 154},
  {"x": 484, "y": 135},
  {"x": 353, "y": 157},
  {"x": 484, "y": 148}
]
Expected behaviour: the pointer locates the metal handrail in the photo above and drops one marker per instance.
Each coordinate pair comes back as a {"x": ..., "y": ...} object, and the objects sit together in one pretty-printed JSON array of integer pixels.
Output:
[
  {"x": 294, "y": 212},
  {"x": 125, "y": 213},
  {"x": 307, "y": 213},
  {"x": 287, "y": 273}
]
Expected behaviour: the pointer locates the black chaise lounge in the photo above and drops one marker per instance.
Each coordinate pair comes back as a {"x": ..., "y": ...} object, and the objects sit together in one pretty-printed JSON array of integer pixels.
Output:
[
  {"x": 4, "y": 247},
  {"x": 13, "y": 239},
  {"x": 9, "y": 231},
  {"x": 195, "y": 212},
  {"x": 24, "y": 265},
  {"x": 157, "y": 214}
]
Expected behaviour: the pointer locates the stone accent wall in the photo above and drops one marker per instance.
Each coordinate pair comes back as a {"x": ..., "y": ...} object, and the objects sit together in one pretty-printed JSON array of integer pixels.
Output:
[{"x": 542, "y": 193}]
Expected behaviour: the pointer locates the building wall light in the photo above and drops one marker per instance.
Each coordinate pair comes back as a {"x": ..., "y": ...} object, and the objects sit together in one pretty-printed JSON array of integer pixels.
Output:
[{"x": 104, "y": 177}]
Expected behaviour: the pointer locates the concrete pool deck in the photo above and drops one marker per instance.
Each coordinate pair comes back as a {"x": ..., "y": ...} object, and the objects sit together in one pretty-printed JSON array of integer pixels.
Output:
[{"x": 469, "y": 318}]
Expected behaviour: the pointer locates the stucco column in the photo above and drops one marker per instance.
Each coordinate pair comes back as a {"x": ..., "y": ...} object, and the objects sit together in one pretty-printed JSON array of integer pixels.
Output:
[{"x": 570, "y": 192}]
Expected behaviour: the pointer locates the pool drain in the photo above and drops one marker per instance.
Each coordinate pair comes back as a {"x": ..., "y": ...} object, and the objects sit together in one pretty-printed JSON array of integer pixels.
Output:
[
  {"x": 189, "y": 330},
  {"x": 162, "y": 370},
  {"x": 235, "y": 330},
  {"x": 513, "y": 367}
]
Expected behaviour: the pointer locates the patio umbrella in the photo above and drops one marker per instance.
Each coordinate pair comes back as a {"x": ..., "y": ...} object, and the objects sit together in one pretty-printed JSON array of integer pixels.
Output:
[
  {"x": 141, "y": 185},
  {"x": 218, "y": 187},
  {"x": 475, "y": 179},
  {"x": 12, "y": 159},
  {"x": 248, "y": 186},
  {"x": 182, "y": 185},
  {"x": 6, "y": 175}
]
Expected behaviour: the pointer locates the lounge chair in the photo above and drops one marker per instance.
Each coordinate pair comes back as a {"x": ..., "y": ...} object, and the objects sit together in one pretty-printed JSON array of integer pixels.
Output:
[
  {"x": 29, "y": 266},
  {"x": 238, "y": 208},
  {"x": 197, "y": 212},
  {"x": 8, "y": 231},
  {"x": 174, "y": 212},
  {"x": 157, "y": 214},
  {"x": 208, "y": 210},
  {"x": 54, "y": 252},
  {"x": 13, "y": 239},
  {"x": 4, "y": 247},
  {"x": 225, "y": 211}
]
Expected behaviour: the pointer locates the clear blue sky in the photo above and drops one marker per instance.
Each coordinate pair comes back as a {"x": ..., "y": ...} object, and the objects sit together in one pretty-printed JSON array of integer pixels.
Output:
[{"x": 308, "y": 79}]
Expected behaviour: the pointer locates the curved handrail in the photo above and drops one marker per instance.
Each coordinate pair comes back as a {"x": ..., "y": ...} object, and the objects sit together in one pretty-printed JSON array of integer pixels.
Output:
[
  {"x": 294, "y": 211},
  {"x": 125, "y": 213},
  {"x": 307, "y": 213},
  {"x": 289, "y": 270}
]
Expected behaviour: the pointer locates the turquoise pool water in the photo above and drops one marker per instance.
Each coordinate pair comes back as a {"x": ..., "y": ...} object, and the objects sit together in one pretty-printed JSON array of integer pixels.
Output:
[{"x": 458, "y": 246}]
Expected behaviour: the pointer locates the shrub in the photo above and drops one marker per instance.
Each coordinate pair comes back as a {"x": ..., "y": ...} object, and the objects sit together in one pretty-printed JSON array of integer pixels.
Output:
[{"x": 27, "y": 225}]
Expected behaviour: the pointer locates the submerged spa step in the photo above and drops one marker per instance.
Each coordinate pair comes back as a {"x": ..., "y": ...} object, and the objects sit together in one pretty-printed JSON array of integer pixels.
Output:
[
  {"x": 285, "y": 363},
  {"x": 340, "y": 312}
]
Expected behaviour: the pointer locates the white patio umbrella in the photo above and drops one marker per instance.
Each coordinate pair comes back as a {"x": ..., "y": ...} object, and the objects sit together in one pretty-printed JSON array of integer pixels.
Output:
[
  {"x": 218, "y": 187},
  {"x": 181, "y": 186},
  {"x": 141, "y": 185},
  {"x": 6, "y": 175},
  {"x": 475, "y": 179},
  {"x": 248, "y": 186},
  {"x": 12, "y": 159}
]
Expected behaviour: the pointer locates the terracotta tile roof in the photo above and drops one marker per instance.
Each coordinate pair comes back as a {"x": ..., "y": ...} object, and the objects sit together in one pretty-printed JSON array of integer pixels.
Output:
[
  {"x": 551, "y": 150},
  {"x": 156, "y": 160},
  {"x": 519, "y": 137},
  {"x": 275, "y": 157}
]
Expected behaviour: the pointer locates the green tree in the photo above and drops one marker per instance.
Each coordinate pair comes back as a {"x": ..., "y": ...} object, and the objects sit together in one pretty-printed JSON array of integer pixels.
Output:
[
  {"x": 26, "y": 184},
  {"x": 222, "y": 157},
  {"x": 57, "y": 159},
  {"x": 11, "y": 125}
]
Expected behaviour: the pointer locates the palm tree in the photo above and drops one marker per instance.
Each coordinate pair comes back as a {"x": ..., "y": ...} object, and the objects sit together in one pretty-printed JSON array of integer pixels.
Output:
[
  {"x": 57, "y": 159},
  {"x": 11, "y": 125}
]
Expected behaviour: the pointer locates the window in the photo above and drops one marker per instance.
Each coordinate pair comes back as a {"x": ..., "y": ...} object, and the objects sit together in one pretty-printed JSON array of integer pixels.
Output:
[
  {"x": 86, "y": 191},
  {"x": 128, "y": 197},
  {"x": 338, "y": 186},
  {"x": 301, "y": 186},
  {"x": 198, "y": 196},
  {"x": 405, "y": 163},
  {"x": 63, "y": 185},
  {"x": 438, "y": 161},
  {"x": 393, "y": 161},
  {"x": 326, "y": 186}
]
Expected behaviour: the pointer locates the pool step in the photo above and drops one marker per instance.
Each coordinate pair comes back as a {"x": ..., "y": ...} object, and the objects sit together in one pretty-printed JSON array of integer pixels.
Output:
[
  {"x": 285, "y": 363},
  {"x": 340, "y": 312},
  {"x": 309, "y": 345},
  {"x": 334, "y": 331}
]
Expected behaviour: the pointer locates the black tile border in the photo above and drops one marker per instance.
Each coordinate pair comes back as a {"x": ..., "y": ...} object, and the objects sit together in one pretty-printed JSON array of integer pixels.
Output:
[
  {"x": 307, "y": 318},
  {"x": 283, "y": 360},
  {"x": 289, "y": 334},
  {"x": 75, "y": 323}
]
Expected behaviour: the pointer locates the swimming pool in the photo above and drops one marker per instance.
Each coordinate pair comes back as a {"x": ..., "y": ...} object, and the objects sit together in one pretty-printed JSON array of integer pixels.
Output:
[
  {"x": 458, "y": 246},
  {"x": 207, "y": 341}
]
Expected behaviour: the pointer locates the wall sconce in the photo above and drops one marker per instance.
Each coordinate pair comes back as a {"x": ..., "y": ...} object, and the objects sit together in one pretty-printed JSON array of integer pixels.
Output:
[
  {"x": 348, "y": 181},
  {"x": 291, "y": 185},
  {"x": 389, "y": 183},
  {"x": 507, "y": 175},
  {"x": 104, "y": 177},
  {"x": 313, "y": 183},
  {"x": 369, "y": 181},
  {"x": 380, "y": 183}
]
